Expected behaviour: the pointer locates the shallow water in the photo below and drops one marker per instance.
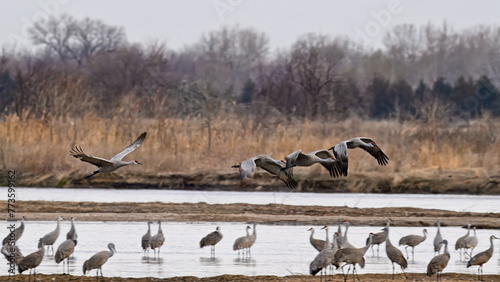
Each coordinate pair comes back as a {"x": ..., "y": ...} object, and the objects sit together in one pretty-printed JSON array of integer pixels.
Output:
[
  {"x": 469, "y": 203},
  {"x": 279, "y": 250}
]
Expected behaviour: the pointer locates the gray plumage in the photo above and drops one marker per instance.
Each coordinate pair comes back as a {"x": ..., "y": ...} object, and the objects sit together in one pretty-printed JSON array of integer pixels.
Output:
[
  {"x": 438, "y": 239},
  {"x": 470, "y": 243},
  {"x": 439, "y": 262},
  {"x": 322, "y": 157},
  {"x": 318, "y": 244},
  {"x": 365, "y": 143},
  {"x": 18, "y": 232},
  {"x": 352, "y": 256},
  {"x": 324, "y": 258},
  {"x": 412, "y": 241},
  {"x": 344, "y": 242},
  {"x": 72, "y": 232},
  {"x": 64, "y": 251},
  {"x": 460, "y": 244},
  {"x": 10, "y": 251},
  {"x": 33, "y": 260},
  {"x": 146, "y": 239},
  {"x": 482, "y": 258},
  {"x": 240, "y": 243},
  {"x": 98, "y": 260},
  {"x": 247, "y": 170},
  {"x": 211, "y": 240},
  {"x": 393, "y": 253},
  {"x": 112, "y": 164},
  {"x": 157, "y": 240},
  {"x": 50, "y": 238},
  {"x": 377, "y": 239}
]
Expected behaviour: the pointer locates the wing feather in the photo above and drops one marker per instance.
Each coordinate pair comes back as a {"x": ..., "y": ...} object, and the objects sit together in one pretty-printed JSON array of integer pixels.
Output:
[
  {"x": 376, "y": 152},
  {"x": 130, "y": 147},
  {"x": 269, "y": 165},
  {"x": 78, "y": 153}
]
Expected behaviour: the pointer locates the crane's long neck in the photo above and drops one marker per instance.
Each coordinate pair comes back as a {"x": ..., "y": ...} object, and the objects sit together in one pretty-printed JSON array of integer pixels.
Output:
[
  {"x": 159, "y": 228},
  {"x": 254, "y": 230},
  {"x": 112, "y": 251},
  {"x": 149, "y": 228},
  {"x": 439, "y": 227},
  {"x": 425, "y": 236},
  {"x": 365, "y": 248},
  {"x": 248, "y": 234},
  {"x": 312, "y": 234},
  {"x": 446, "y": 247},
  {"x": 57, "y": 227},
  {"x": 327, "y": 241},
  {"x": 490, "y": 250},
  {"x": 387, "y": 241}
]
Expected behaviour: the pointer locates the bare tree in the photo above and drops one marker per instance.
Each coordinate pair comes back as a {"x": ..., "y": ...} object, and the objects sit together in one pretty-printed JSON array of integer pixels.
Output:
[{"x": 72, "y": 39}]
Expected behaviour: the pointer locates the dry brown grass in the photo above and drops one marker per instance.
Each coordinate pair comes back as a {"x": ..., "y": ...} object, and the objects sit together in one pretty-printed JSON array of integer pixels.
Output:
[{"x": 40, "y": 147}]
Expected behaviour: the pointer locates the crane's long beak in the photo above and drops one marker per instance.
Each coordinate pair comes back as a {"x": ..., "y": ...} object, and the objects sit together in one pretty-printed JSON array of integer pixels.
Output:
[
  {"x": 139, "y": 163},
  {"x": 331, "y": 148}
]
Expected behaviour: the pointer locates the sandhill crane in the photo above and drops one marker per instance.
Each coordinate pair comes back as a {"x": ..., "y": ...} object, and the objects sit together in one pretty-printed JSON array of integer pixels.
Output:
[
  {"x": 339, "y": 233},
  {"x": 460, "y": 244},
  {"x": 344, "y": 242},
  {"x": 318, "y": 244},
  {"x": 352, "y": 256},
  {"x": 247, "y": 244},
  {"x": 98, "y": 260},
  {"x": 247, "y": 170},
  {"x": 239, "y": 243},
  {"x": 32, "y": 260},
  {"x": 12, "y": 253},
  {"x": 482, "y": 258},
  {"x": 377, "y": 239},
  {"x": 394, "y": 254},
  {"x": 64, "y": 251},
  {"x": 470, "y": 243},
  {"x": 438, "y": 239},
  {"x": 324, "y": 258},
  {"x": 16, "y": 235},
  {"x": 412, "y": 241},
  {"x": 50, "y": 238},
  {"x": 158, "y": 239},
  {"x": 367, "y": 144},
  {"x": 112, "y": 164},
  {"x": 439, "y": 262},
  {"x": 146, "y": 239},
  {"x": 211, "y": 240},
  {"x": 72, "y": 231},
  {"x": 322, "y": 157}
]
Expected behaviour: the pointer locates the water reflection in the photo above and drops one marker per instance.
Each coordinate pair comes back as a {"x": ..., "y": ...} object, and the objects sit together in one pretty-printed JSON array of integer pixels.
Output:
[
  {"x": 210, "y": 261},
  {"x": 246, "y": 261}
]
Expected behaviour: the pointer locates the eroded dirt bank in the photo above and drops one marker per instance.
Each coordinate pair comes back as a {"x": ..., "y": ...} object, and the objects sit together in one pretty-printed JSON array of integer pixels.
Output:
[{"x": 264, "y": 214}]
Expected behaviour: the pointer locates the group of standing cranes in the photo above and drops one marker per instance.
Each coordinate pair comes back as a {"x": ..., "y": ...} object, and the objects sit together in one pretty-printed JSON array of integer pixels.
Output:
[
  {"x": 241, "y": 244},
  {"x": 340, "y": 252},
  {"x": 62, "y": 254}
]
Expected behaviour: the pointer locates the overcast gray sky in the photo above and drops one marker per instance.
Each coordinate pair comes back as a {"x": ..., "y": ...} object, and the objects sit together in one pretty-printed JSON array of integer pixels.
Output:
[{"x": 182, "y": 22}]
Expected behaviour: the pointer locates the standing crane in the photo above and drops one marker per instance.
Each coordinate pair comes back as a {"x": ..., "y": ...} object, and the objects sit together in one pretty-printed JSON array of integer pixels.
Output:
[
  {"x": 318, "y": 244},
  {"x": 377, "y": 239},
  {"x": 98, "y": 260},
  {"x": 71, "y": 235},
  {"x": 323, "y": 259},
  {"x": 239, "y": 243},
  {"x": 438, "y": 239},
  {"x": 112, "y": 164},
  {"x": 211, "y": 240},
  {"x": 146, "y": 239},
  {"x": 460, "y": 244},
  {"x": 12, "y": 252},
  {"x": 64, "y": 251},
  {"x": 251, "y": 240},
  {"x": 470, "y": 243},
  {"x": 352, "y": 256},
  {"x": 482, "y": 258},
  {"x": 157, "y": 240},
  {"x": 18, "y": 232},
  {"x": 412, "y": 241},
  {"x": 33, "y": 260},
  {"x": 394, "y": 254},
  {"x": 344, "y": 242},
  {"x": 50, "y": 238},
  {"x": 439, "y": 262}
]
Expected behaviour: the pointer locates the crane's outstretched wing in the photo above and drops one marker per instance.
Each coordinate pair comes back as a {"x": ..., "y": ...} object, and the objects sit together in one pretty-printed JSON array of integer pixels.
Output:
[
  {"x": 331, "y": 164},
  {"x": 340, "y": 152},
  {"x": 269, "y": 165},
  {"x": 130, "y": 147},
  {"x": 291, "y": 161},
  {"x": 375, "y": 151},
  {"x": 78, "y": 153}
]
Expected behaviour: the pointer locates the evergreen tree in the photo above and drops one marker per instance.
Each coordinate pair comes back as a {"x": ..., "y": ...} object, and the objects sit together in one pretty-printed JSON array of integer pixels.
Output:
[{"x": 247, "y": 92}]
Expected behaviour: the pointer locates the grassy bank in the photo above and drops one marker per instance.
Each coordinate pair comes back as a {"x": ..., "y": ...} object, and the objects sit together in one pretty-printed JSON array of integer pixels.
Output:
[{"x": 421, "y": 155}]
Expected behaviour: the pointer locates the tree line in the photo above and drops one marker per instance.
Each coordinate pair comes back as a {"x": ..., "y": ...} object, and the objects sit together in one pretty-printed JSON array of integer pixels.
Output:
[{"x": 87, "y": 66}]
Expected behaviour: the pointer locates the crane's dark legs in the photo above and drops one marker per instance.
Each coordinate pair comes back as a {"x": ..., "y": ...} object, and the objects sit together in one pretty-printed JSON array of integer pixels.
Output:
[
  {"x": 393, "y": 270},
  {"x": 89, "y": 176}
]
